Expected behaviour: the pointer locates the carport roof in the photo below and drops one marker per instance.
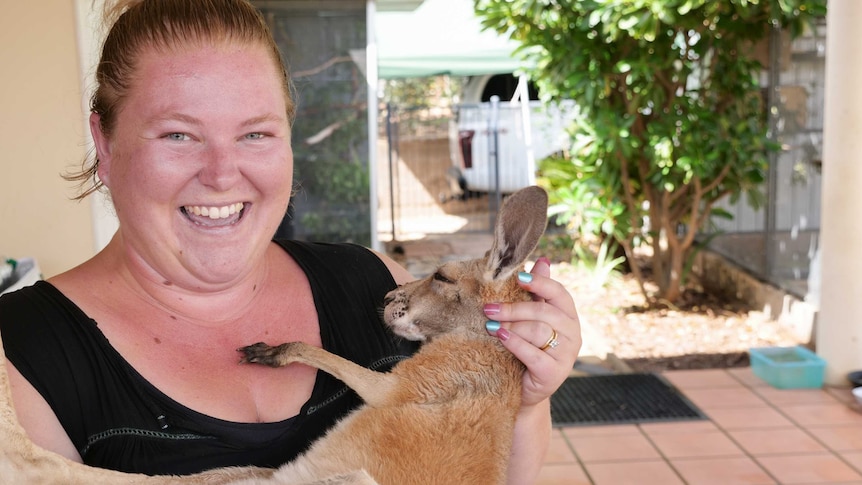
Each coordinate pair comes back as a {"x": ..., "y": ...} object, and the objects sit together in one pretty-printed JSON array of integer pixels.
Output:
[{"x": 440, "y": 37}]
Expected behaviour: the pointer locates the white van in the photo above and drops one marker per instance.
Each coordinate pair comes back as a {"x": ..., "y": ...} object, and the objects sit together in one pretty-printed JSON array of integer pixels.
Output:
[{"x": 489, "y": 143}]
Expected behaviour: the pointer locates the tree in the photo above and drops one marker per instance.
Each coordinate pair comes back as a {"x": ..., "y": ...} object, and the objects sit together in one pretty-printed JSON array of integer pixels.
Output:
[{"x": 672, "y": 115}]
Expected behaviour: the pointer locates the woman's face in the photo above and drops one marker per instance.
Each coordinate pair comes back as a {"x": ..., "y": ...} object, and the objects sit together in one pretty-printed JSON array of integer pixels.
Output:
[{"x": 199, "y": 163}]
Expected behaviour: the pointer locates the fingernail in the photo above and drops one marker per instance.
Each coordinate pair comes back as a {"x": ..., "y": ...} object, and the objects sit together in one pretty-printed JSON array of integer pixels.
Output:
[
  {"x": 492, "y": 326},
  {"x": 503, "y": 334},
  {"x": 525, "y": 277},
  {"x": 492, "y": 308}
]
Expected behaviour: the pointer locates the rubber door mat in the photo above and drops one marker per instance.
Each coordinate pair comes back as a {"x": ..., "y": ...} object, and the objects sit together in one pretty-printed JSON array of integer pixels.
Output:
[{"x": 620, "y": 398}]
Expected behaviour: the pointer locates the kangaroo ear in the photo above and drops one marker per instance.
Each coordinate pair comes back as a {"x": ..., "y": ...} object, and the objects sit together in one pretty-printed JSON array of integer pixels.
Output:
[{"x": 520, "y": 224}]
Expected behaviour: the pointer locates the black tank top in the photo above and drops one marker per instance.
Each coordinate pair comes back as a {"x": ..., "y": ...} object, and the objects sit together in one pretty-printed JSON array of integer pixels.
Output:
[{"x": 118, "y": 420}]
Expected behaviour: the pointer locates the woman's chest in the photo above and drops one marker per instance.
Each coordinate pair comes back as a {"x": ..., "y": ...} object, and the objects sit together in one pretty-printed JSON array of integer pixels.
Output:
[{"x": 198, "y": 366}]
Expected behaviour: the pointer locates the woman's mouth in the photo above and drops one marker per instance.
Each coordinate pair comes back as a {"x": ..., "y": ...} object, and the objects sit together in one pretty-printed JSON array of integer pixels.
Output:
[{"x": 214, "y": 215}]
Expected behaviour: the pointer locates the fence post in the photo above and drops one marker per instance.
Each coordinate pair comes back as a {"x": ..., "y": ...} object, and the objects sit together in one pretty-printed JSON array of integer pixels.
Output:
[
  {"x": 494, "y": 159},
  {"x": 391, "y": 169}
]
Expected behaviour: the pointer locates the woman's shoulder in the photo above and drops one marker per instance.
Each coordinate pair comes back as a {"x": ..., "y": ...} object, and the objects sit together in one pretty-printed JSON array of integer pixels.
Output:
[
  {"x": 36, "y": 317},
  {"x": 34, "y": 302},
  {"x": 324, "y": 249},
  {"x": 344, "y": 259}
]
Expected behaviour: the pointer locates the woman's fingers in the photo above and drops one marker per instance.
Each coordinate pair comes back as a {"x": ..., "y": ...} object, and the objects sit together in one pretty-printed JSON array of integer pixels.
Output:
[{"x": 544, "y": 333}]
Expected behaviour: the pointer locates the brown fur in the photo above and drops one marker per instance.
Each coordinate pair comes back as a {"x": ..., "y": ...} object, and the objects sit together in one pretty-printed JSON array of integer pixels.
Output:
[{"x": 444, "y": 416}]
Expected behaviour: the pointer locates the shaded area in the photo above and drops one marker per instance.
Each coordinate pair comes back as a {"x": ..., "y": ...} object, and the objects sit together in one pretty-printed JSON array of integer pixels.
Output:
[
  {"x": 689, "y": 361},
  {"x": 618, "y": 399}
]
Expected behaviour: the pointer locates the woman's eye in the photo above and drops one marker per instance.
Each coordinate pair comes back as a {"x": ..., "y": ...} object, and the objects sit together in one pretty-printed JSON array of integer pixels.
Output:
[
  {"x": 439, "y": 277},
  {"x": 255, "y": 136},
  {"x": 177, "y": 136}
]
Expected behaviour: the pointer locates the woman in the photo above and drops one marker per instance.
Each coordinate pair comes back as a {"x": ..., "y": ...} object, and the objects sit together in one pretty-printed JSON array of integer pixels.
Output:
[{"x": 128, "y": 361}]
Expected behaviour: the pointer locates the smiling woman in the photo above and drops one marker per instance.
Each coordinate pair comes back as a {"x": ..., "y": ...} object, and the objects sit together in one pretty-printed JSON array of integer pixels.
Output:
[
  {"x": 167, "y": 153},
  {"x": 128, "y": 361}
]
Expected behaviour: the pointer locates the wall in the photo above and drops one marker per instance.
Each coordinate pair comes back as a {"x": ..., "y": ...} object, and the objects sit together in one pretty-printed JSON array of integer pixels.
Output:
[
  {"x": 42, "y": 134},
  {"x": 722, "y": 276}
]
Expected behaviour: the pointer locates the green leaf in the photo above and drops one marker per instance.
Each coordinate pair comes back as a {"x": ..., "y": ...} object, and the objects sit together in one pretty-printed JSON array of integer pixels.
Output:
[
  {"x": 667, "y": 90},
  {"x": 629, "y": 22}
]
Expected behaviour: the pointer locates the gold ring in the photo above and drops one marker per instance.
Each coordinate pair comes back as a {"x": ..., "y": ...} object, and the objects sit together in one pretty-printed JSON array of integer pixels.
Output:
[{"x": 552, "y": 342}]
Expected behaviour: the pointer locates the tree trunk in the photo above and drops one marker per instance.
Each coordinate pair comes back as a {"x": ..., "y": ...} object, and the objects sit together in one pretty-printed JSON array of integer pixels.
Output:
[{"x": 673, "y": 291}]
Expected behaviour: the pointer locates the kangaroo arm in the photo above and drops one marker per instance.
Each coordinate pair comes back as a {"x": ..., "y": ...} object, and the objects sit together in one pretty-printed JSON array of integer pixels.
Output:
[{"x": 373, "y": 387}]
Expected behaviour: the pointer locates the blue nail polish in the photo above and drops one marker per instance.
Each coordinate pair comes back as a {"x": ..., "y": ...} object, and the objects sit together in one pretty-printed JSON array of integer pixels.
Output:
[
  {"x": 492, "y": 326},
  {"x": 525, "y": 277}
]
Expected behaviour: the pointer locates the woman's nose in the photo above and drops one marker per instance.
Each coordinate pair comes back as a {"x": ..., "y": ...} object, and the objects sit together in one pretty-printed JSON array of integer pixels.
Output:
[{"x": 220, "y": 168}]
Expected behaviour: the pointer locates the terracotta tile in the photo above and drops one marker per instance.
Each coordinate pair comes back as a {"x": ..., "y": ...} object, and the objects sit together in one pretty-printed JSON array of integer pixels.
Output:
[
  {"x": 818, "y": 468},
  {"x": 609, "y": 430},
  {"x": 854, "y": 458},
  {"x": 721, "y": 471},
  {"x": 842, "y": 394},
  {"x": 776, "y": 441},
  {"x": 695, "y": 445},
  {"x": 780, "y": 397},
  {"x": 839, "y": 438},
  {"x": 613, "y": 448},
  {"x": 730, "y": 397},
  {"x": 559, "y": 450},
  {"x": 562, "y": 474},
  {"x": 700, "y": 379},
  {"x": 679, "y": 427},
  {"x": 821, "y": 414},
  {"x": 746, "y": 376},
  {"x": 653, "y": 472},
  {"x": 748, "y": 417}
]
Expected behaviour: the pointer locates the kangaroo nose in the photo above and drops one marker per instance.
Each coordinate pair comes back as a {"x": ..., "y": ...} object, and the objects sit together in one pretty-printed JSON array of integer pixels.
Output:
[{"x": 389, "y": 298}]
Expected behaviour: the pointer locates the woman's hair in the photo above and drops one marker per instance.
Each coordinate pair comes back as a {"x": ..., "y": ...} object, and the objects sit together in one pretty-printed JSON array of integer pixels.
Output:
[{"x": 140, "y": 25}]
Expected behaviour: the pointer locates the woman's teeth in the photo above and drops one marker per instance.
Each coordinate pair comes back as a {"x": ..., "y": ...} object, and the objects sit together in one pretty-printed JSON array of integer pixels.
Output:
[{"x": 222, "y": 212}]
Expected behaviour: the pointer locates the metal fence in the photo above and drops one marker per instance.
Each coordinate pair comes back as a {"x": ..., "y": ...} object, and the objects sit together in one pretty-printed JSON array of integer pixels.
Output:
[
  {"x": 778, "y": 242},
  {"x": 448, "y": 169},
  {"x": 419, "y": 194},
  {"x": 426, "y": 195}
]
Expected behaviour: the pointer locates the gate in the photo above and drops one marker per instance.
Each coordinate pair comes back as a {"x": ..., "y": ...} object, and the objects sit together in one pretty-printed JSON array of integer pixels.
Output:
[
  {"x": 449, "y": 168},
  {"x": 419, "y": 187}
]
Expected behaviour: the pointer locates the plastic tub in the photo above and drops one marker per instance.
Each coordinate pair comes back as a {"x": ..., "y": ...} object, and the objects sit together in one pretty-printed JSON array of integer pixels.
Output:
[{"x": 788, "y": 367}]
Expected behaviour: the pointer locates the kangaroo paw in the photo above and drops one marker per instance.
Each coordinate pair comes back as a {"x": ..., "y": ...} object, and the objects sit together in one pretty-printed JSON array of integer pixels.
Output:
[{"x": 261, "y": 353}]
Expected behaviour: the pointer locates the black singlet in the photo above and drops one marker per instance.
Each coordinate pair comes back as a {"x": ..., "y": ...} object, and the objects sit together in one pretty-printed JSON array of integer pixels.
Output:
[{"x": 118, "y": 420}]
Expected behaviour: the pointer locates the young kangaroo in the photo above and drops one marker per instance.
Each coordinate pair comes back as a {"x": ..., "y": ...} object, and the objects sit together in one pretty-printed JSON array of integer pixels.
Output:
[{"x": 446, "y": 415}]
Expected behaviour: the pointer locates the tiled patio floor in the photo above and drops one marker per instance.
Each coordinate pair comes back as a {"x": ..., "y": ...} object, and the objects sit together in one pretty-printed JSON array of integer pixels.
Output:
[{"x": 756, "y": 435}]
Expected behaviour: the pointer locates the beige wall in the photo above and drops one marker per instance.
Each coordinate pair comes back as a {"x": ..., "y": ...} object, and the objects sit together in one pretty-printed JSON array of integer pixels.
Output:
[{"x": 42, "y": 134}]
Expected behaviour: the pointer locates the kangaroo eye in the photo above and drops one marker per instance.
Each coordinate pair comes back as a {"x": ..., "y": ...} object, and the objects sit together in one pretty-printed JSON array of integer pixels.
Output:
[{"x": 439, "y": 277}]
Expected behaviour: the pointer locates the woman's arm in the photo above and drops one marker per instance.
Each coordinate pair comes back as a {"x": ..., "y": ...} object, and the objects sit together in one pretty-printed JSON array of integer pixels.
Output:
[
  {"x": 527, "y": 328},
  {"x": 531, "y": 439},
  {"x": 36, "y": 417},
  {"x": 399, "y": 273}
]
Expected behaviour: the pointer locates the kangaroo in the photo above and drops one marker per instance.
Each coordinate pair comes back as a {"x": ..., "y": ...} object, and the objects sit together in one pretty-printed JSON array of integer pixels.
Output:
[{"x": 446, "y": 415}]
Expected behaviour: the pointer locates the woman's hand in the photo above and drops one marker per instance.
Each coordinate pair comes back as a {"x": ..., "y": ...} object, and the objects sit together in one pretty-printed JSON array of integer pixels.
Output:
[{"x": 544, "y": 334}]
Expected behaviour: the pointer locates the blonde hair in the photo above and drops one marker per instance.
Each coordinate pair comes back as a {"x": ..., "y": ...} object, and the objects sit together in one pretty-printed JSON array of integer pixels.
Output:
[{"x": 139, "y": 25}]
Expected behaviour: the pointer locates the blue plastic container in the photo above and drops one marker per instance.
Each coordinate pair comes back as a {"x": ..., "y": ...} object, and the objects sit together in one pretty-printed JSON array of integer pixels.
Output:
[{"x": 788, "y": 367}]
